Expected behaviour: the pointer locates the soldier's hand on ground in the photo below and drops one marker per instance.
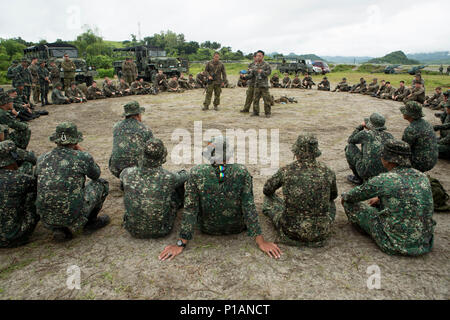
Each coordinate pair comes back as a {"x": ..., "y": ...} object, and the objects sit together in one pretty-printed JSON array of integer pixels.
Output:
[
  {"x": 374, "y": 201},
  {"x": 78, "y": 147},
  {"x": 170, "y": 252},
  {"x": 270, "y": 248}
]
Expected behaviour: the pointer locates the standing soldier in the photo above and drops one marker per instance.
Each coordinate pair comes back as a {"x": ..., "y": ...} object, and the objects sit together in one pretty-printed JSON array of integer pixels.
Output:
[
  {"x": 324, "y": 85},
  {"x": 441, "y": 69},
  {"x": 33, "y": 68},
  {"x": 55, "y": 73},
  {"x": 129, "y": 70},
  {"x": 10, "y": 73},
  {"x": 22, "y": 74},
  {"x": 69, "y": 69},
  {"x": 286, "y": 84},
  {"x": 251, "y": 86},
  {"x": 215, "y": 72},
  {"x": 44, "y": 82}
]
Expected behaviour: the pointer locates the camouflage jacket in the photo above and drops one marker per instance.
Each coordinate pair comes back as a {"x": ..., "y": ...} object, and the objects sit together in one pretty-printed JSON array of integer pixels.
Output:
[
  {"x": 24, "y": 75},
  {"x": 418, "y": 94},
  {"x": 15, "y": 187},
  {"x": 201, "y": 79},
  {"x": 309, "y": 190},
  {"x": 74, "y": 93},
  {"x": 373, "y": 87},
  {"x": 173, "y": 84},
  {"x": 437, "y": 98},
  {"x": 325, "y": 83},
  {"x": 129, "y": 137},
  {"x": 43, "y": 73},
  {"x": 55, "y": 74},
  {"x": 422, "y": 139},
  {"x": 58, "y": 96},
  {"x": 371, "y": 142},
  {"x": 129, "y": 69},
  {"x": 160, "y": 79},
  {"x": 33, "y": 68},
  {"x": 286, "y": 81},
  {"x": 62, "y": 176},
  {"x": 93, "y": 92},
  {"x": 400, "y": 91},
  {"x": 123, "y": 86},
  {"x": 389, "y": 91},
  {"x": 444, "y": 129},
  {"x": 217, "y": 71},
  {"x": 406, "y": 208},
  {"x": 7, "y": 119},
  {"x": 219, "y": 208},
  {"x": 259, "y": 80},
  {"x": 110, "y": 89},
  {"x": 275, "y": 80},
  {"x": 69, "y": 69},
  {"x": 148, "y": 197}
]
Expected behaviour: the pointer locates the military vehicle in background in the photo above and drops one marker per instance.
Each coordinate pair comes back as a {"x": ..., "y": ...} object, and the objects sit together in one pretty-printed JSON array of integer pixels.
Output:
[
  {"x": 393, "y": 69},
  {"x": 55, "y": 52},
  {"x": 296, "y": 66},
  {"x": 148, "y": 61},
  {"x": 416, "y": 69}
]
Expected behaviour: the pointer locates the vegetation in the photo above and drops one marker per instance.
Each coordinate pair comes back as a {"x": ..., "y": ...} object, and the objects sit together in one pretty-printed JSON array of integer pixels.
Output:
[{"x": 396, "y": 57}]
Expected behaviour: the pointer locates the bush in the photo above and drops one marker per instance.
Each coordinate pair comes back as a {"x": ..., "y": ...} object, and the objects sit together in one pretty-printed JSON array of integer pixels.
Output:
[
  {"x": 100, "y": 61},
  {"x": 371, "y": 68},
  {"x": 343, "y": 68},
  {"x": 105, "y": 73},
  {"x": 3, "y": 78}
]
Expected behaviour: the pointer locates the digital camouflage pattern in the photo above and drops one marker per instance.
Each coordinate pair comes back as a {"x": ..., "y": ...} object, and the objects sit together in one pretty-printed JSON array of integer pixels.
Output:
[
  {"x": 21, "y": 134},
  {"x": 152, "y": 195},
  {"x": 219, "y": 208},
  {"x": 305, "y": 214},
  {"x": 444, "y": 139},
  {"x": 94, "y": 93}
]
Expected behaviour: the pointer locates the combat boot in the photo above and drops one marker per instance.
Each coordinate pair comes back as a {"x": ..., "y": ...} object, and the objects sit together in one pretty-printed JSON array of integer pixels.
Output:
[
  {"x": 254, "y": 115},
  {"x": 62, "y": 235},
  {"x": 354, "y": 179},
  {"x": 97, "y": 224},
  {"x": 205, "y": 108},
  {"x": 216, "y": 108},
  {"x": 244, "y": 111}
]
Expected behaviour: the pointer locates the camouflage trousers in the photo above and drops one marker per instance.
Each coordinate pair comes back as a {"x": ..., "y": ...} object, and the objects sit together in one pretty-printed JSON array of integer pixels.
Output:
[
  {"x": 355, "y": 160},
  {"x": 36, "y": 93},
  {"x": 164, "y": 226},
  {"x": 26, "y": 228},
  {"x": 21, "y": 138},
  {"x": 323, "y": 88},
  {"x": 365, "y": 217},
  {"x": 68, "y": 82},
  {"x": 129, "y": 79},
  {"x": 249, "y": 99},
  {"x": 217, "y": 89},
  {"x": 386, "y": 96},
  {"x": 314, "y": 233},
  {"x": 26, "y": 168},
  {"x": 95, "y": 193},
  {"x": 45, "y": 88},
  {"x": 264, "y": 93}
]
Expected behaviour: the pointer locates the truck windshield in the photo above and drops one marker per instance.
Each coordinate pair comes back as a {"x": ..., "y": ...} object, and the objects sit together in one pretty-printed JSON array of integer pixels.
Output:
[{"x": 60, "y": 52}]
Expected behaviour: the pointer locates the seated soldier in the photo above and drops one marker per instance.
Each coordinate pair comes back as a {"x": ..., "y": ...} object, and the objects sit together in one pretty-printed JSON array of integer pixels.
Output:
[
  {"x": 110, "y": 90},
  {"x": 219, "y": 199},
  {"x": 202, "y": 79},
  {"x": 381, "y": 90},
  {"x": 401, "y": 92},
  {"x": 152, "y": 195},
  {"x": 57, "y": 95},
  {"x": 444, "y": 129},
  {"x": 65, "y": 202},
  {"x": 365, "y": 162},
  {"x": 21, "y": 135},
  {"x": 324, "y": 85},
  {"x": 305, "y": 215},
  {"x": 22, "y": 110},
  {"x": 124, "y": 88},
  {"x": 74, "y": 94},
  {"x": 184, "y": 83},
  {"x": 417, "y": 94},
  {"x": 388, "y": 92},
  {"x": 192, "y": 82},
  {"x": 342, "y": 86},
  {"x": 296, "y": 83},
  {"x": 94, "y": 92},
  {"x": 18, "y": 217},
  {"x": 286, "y": 83},
  {"x": 129, "y": 138},
  {"x": 361, "y": 87},
  {"x": 399, "y": 216},
  {"x": 242, "y": 82},
  {"x": 373, "y": 87},
  {"x": 421, "y": 138},
  {"x": 434, "y": 101},
  {"x": 307, "y": 81},
  {"x": 275, "y": 81},
  {"x": 174, "y": 86},
  {"x": 161, "y": 81}
]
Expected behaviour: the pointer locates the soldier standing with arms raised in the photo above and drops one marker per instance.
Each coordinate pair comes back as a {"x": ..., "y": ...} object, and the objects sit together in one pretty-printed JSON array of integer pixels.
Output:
[{"x": 215, "y": 72}]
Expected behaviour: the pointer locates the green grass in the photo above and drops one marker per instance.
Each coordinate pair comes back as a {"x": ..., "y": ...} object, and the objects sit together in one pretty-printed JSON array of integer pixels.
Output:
[{"x": 5, "y": 272}]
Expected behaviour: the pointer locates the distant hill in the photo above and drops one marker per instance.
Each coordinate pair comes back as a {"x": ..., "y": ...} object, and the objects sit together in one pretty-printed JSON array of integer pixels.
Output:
[
  {"x": 439, "y": 57},
  {"x": 396, "y": 57},
  {"x": 347, "y": 60}
]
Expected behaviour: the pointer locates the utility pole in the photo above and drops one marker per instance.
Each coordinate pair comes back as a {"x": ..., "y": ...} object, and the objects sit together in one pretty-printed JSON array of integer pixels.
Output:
[{"x": 139, "y": 32}]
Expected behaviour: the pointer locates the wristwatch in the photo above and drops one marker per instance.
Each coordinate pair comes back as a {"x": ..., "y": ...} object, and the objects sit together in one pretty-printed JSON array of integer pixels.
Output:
[{"x": 181, "y": 244}]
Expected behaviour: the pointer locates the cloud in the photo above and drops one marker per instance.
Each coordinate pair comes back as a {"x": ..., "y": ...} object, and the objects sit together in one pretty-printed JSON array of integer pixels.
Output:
[{"x": 345, "y": 27}]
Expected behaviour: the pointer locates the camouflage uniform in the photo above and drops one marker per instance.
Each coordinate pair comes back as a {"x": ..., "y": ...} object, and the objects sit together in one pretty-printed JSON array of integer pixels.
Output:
[
  {"x": 152, "y": 195},
  {"x": 184, "y": 83},
  {"x": 58, "y": 97},
  {"x": 372, "y": 88},
  {"x": 129, "y": 139},
  {"x": 275, "y": 81},
  {"x": 399, "y": 92},
  {"x": 421, "y": 138},
  {"x": 33, "y": 68},
  {"x": 75, "y": 95},
  {"x": 217, "y": 71},
  {"x": 296, "y": 83},
  {"x": 250, "y": 94},
  {"x": 219, "y": 198},
  {"x": 342, "y": 86},
  {"x": 26, "y": 160},
  {"x": 94, "y": 93},
  {"x": 123, "y": 87},
  {"x": 64, "y": 200},
  {"x": 388, "y": 92},
  {"x": 403, "y": 223},
  {"x": 324, "y": 85},
  {"x": 55, "y": 75},
  {"x": 129, "y": 71},
  {"x": 286, "y": 83},
  {"x": 10, "y": 73},
  {"x": 305, "y": 214},
  {"x": 402, "y": 96},
  {"x": 434, "y": 101},
  {"x": 18, "y": 217},
  {"x": 201, "y": 80},
  {"x": 308, "y": 82},
  {"x": 174, "y": 86},
  {"x": 361, "y": 87},
  {"x": 261, "y": 86},
  {"x": 44, "y": 85},
  {"x": 417, "y": 94},
  {"x": 22, "y": 74},
  {"x": 21, "y": 135},
  {"x": 444, "y": 140},
  {"x": 69, "y": 69},
  {"x": 110, "y": 91}
]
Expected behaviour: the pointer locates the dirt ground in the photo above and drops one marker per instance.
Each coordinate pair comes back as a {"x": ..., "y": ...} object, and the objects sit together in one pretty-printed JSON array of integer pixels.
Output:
[{"x": 116, "y": 266}]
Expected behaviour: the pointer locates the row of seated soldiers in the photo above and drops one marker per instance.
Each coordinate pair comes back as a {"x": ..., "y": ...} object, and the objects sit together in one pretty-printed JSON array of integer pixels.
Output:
[{"x": 287, "y": 83}]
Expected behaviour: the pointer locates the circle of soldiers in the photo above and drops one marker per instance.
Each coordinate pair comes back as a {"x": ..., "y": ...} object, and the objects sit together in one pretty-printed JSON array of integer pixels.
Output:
[{"x": 217, "y": 197}]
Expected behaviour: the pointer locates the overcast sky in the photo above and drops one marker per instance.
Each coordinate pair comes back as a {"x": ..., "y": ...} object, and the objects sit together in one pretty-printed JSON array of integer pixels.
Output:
[{"x": 343, "y": 27}]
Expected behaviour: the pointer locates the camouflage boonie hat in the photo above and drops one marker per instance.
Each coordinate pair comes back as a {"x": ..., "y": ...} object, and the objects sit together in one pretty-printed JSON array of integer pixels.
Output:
[
  {"x": 58, "y": 84},
  {"x": 5, "y": 99},
  {"x": 218, "y": 150},
  {"x": 376, "y": 122},
  {"x": 132, "y": 109},
  {"x": 20, "y": 83},
  {"x": 412, "y": 109},
  {"x": 8, "y": 153},
  {"x": 398, "y": 152},
  {"x": 306, "y": 146},
  {"x": 11, "y": 91},
  {"x": 155, "y": 153},
  {"x": 344, "y": 79},
  {"x": 66, "y": 133}
]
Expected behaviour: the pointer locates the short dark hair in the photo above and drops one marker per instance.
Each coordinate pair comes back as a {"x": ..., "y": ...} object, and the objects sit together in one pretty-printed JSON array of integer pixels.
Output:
[
  {"x": 402, "y": 81},
  {"x": 217, "y": 53},
  {"x": 260, "y": 51},
  {"x": 388, "y": 82}
]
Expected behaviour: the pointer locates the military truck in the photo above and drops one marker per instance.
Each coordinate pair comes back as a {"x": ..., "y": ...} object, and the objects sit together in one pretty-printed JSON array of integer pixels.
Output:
[
  {"x": 296, "y": 66},
  {"x": 148, "y": 61},
  {"x": 55, "y": 52}
]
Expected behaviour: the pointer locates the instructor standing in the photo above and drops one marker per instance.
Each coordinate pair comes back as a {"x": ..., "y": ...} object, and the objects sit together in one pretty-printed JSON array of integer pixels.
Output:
[{"x": 216, "y": 75}]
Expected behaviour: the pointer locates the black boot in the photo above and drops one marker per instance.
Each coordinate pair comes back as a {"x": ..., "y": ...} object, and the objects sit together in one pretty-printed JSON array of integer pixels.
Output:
[
  {"x": 62, "y": 235},
  {"x": 97, "y": 224}
]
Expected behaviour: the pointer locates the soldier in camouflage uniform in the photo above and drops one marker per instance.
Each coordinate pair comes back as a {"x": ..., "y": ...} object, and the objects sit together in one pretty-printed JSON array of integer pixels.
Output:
[
  {"x": 94, "y": 92},
  {"x": 219, "y": 200},
  {"x": 129, "y": 138},
  {"x": 201, "y": 80},
  {"x": 296, "y": 83},
  {"x": 324, "y": 85},
  {"x": 65, "y": 203},
  {"x": 192, "y": 82},
  {"x": 365, "y": 162},
  {"x": 308, "y": 82},
  {"x": 306, "y": 212},
  {"x": 250, "y": 94},
  {"x": 418, "y": 78},
  {"x": 129, "y": 71},
  {"x": 161, "y": 81},
  {"x": 58, "y": 96},
  {"x": 399, "y": 216},
  {"x": 421, "y": 138},
  {"x": 286, "y": 83},
  {"x": 388, "y": 92},
  {"x": 21, "y": 135},
  {"x": 400, "y": 93},
  {"x": 110, "y": 90},
  {"x": 417, "y": 94},
  {"x": 124, "y": 88},
  {"x": 33, "y": 68},
  {"x": 215, "y": 72},
  {"x": 55, "y": 73},
  {"x": 184, "y": 83},
  {"x": 434, "y": 101},
  {"x": 44, "y": 82},
  {"x": 361, "y": 87},
  {"x": 381, "y": 90},
  {"x": 10, "y": 73},
  {"x": 373, "y": 87},
  {"x": 275, "y": 81},
  {"x": 69, "y": 69},
  {"x": 152, "y": 195},
  {"x": 342, "y": 86},
  {"x": 22, "y": 74},
  {"x": 174, "y": 86},
  {"x": 444, "y": 129},
  {"x": 18, "y": 217},
  {"x": 74, "y": 94}
]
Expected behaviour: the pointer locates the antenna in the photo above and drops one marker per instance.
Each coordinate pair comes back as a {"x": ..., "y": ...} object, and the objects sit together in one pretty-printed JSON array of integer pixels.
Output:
[{"x": 139, "y": 31}]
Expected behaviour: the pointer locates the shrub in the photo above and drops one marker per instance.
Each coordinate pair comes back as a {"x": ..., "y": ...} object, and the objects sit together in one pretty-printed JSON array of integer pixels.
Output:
[
  {"x": 105, "y": 73},
  {"x": 343, "y": 68}
]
